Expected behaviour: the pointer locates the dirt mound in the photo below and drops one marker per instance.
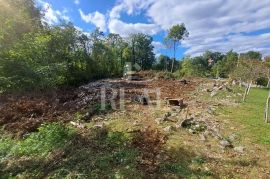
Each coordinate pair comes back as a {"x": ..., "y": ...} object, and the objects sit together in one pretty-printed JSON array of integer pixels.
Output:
[
  {"x": 172, "y": 88},
  {"x": 25, "y": 113}
]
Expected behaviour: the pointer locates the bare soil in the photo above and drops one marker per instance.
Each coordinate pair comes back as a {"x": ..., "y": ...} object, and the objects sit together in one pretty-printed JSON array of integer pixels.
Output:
[{"x": 24, "y": 114}]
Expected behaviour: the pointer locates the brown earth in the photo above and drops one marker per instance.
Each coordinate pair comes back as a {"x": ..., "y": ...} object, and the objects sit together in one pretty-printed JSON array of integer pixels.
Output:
[{"x": 25, "y": 113}]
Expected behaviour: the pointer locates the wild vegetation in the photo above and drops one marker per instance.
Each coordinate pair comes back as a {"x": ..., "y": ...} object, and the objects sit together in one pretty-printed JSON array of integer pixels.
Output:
[
  {"x": 48, "y": 57},
  {"x": 201, "y": 116}
]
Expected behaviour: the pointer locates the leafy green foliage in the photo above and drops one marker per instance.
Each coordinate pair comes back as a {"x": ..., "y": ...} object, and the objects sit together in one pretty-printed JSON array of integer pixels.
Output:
[
  {"x": 35, "y": 56},
  {"x": 17, "y": 17},
  {"x": 6, "y": 145},
  {"x": 178, "y": 32},
  {"x": 226, "y": 65},
  {"x": 95, "y": 154},
  {"x": 164, "y": 63},
  {"x": 215, "y": 64},
  {"x": 196, "y": 66},
  {"x": 116, "y": 139},
  {"x": 248, "y": 70},
  {"x": 142, "y": 50},
  {"x": 175, "y": 35},
  {"x": 252, "y": 55},
  {"x": 49, "y": 137},
  {"x": 50, "y": 57},
  {"x": 262, "y": 81}
]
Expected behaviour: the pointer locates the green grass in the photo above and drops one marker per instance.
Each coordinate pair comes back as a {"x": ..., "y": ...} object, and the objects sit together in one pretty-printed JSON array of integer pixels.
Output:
[
  {"x": 48, "y": 138},
  {"x": 250, "y": 116},
  {"x": 58, "y": 151}
]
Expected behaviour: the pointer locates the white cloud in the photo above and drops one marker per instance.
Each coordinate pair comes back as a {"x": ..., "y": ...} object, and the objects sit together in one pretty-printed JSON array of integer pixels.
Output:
[
  {"x": 130, "y": 7},
  {"x": 62, "y": 15},
  {"x": 96, "y": 18},
  {"x": 124, "y": 29},
  {"x": 52, "y": 16},
  {"x": 77, "y": 2},
  {"x": 238, "y": 42},
  {"x": 133, "y": 7},
  {"x": 157, "y": 47},
  {"x": 211, "y": 23}
]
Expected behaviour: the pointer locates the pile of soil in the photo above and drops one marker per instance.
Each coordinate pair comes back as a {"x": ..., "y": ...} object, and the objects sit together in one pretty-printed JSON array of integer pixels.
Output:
[{"x": 23, "y": 114}]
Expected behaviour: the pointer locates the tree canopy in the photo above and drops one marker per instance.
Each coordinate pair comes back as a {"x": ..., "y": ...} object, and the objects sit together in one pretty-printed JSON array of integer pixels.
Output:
[
  {"x": 175, "y": 35},
  {"x": 34, "y": 55}
]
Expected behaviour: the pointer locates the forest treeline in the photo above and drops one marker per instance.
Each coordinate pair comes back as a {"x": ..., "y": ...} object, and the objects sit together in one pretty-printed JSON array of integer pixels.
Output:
[
  {"x": 36, "y": 56},
  {"x": 246, "y": 67}
]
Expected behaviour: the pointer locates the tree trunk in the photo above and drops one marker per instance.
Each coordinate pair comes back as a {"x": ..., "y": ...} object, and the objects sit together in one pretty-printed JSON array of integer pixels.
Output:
[
  {"x": 246, "y": 93},
  {"x": 174, "y": 43},
  {"x": 133, "y": 55},
  {"x": 267, "y": 108},
  {"x": 268, "y": 77},
  {"x": 249, "y": 87}
]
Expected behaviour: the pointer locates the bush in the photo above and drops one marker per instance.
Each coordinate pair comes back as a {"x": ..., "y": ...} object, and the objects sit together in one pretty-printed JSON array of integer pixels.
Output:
[
  {"x": 6, "y": 145},
  {"x": 48, "y": 137},
  {"x": 165, "y": 75},
  {"x": 262, "y": 81}
]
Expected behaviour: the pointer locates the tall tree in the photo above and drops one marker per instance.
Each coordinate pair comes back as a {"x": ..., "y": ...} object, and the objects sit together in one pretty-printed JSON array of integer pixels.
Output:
[
  {"x": 175, "y": 35},
  {"x": 212, "y": 57},
  {"x": 142, "y": 50},
  {"x": 266, "y": 69},
  {"x": 17, "y": 17},
  {"x": 248, "y": 71},
  {"x": 163, "y": 62},
  {"x": 118, "y": 44},
  {"x": 225, "y": 65}
]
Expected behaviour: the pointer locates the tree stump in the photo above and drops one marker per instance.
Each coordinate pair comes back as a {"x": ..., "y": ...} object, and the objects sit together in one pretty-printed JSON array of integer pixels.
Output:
[{"x": 176, "y": 102}]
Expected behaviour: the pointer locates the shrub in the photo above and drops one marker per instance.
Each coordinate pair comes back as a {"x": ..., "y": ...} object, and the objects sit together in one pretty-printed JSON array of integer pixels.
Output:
[
  {"x": 262, "y": 81},
  {"x": 6, "y": 145},
  {"x": 165, "y": 75},
  {"x": 48, "y": 137}
]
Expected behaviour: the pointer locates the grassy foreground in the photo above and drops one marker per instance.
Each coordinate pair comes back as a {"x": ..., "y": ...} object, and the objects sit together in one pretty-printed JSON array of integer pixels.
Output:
[
  {"x": 123, "y": 150},
  {"x": 249, "y": 116}
]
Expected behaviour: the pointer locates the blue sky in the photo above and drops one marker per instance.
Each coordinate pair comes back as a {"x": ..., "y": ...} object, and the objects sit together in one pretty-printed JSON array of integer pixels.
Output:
[{"x": 217, "y": 25}]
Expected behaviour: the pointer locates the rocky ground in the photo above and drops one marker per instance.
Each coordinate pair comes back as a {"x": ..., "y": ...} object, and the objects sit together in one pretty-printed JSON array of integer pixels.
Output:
[
  {"x": 183, "y": 119},
  {"x": 24, "y": 113}
]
